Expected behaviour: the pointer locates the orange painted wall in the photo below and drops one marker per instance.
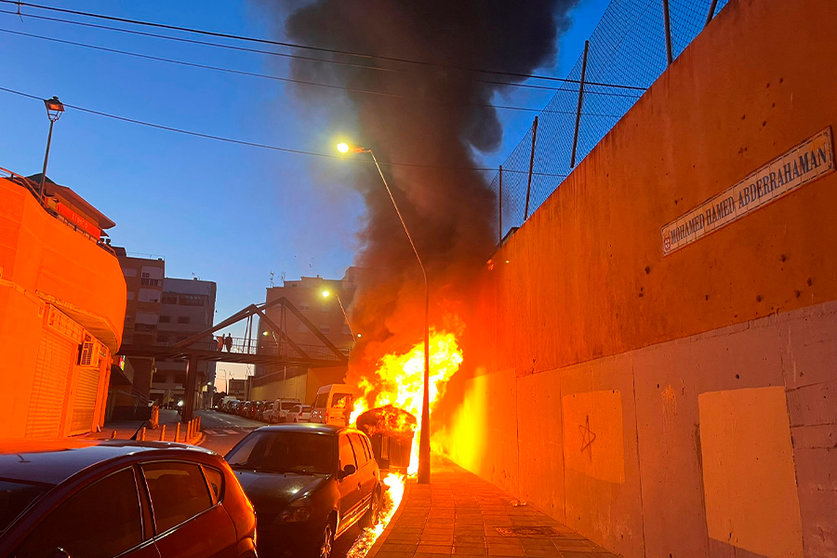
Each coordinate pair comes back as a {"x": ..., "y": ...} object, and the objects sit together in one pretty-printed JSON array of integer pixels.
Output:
[
  {"x": 42, "y": 255},
  {"x": 587, "y": 306},
  {"x": 43, "y": 261}
]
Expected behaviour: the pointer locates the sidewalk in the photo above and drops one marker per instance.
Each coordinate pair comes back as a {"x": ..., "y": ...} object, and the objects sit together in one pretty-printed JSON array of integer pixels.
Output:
[
  {"x": 124, "y": 430},
  {"x": 459, "y": 514}
]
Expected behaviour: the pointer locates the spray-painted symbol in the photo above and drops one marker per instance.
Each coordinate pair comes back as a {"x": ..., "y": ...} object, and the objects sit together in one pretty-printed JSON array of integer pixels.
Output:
[{"x": 587, "y": 437}]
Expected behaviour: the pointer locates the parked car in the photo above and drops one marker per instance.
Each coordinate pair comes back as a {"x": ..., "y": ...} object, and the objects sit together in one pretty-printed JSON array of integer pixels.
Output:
[
  {"x": 309, "y": 483},
  {"x": 299, "y": 413},
  {"x": 279, "y": 410},
  {"x": 132, "y": 499}
]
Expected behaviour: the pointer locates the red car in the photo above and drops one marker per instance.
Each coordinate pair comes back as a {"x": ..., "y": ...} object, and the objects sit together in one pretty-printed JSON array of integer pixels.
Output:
[{"x": 119, "y": 498}]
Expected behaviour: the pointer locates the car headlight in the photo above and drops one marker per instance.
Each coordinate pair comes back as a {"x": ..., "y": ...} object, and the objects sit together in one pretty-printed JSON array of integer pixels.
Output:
[{"x": 298, "y": 510}]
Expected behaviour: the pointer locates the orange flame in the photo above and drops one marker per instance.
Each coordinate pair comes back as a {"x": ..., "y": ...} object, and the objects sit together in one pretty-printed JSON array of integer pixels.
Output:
[
  {"x": 392, "y": 499},
  {"x": 399, "y": 381}
]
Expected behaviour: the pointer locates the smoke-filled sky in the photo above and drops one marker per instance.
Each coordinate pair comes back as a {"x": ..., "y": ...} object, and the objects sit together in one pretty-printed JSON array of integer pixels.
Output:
[
  {"x": 234, "y": 213},
  {"x": 429, "y": 113}
]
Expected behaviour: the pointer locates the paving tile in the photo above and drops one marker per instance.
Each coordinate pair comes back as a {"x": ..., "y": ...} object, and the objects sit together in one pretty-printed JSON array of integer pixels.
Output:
[
  {"x": 459, "y": 515},
  {"x": 469, "y": 550},
  {"x": 444, "y": 549},
  {"x": 391, "y": 554}
]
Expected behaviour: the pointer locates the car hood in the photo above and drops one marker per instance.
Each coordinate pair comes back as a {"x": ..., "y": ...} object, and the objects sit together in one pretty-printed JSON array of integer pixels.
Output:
[{"x": 271, "y": 492}]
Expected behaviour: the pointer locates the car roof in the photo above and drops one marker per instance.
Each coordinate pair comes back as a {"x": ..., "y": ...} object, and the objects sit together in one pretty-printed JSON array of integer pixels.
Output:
[{"x": 52, "y": 461}]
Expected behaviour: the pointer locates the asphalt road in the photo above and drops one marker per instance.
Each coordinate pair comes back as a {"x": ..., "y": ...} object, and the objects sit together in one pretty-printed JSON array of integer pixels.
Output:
[{"x": 223, "y": 431}]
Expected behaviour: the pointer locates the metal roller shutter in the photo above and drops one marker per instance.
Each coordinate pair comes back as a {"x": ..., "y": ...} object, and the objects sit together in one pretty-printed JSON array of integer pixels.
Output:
[
  {"x": 84, "y": 400},
  {"x": 49, "y": 386}
]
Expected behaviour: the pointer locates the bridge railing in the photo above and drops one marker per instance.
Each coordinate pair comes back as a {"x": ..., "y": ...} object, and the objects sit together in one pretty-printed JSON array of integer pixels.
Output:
[{"x": 267, "y": 345}]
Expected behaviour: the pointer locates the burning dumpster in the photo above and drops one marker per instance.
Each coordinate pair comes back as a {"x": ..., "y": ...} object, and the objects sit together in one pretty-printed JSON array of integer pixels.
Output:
[{"x": 391, "y": 430}]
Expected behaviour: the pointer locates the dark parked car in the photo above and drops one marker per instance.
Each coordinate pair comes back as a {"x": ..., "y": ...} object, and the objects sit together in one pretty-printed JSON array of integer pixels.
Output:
[
  {"x": 309, "y": 484},
  {"x": 84, "y": 499}
]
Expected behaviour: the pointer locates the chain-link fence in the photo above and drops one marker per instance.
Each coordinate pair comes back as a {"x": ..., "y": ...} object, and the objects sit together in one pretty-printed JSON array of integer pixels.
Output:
[{"x": 624, "y": 55}]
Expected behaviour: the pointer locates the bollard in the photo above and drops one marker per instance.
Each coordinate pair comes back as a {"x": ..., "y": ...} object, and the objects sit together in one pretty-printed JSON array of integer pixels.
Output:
[
  {"x": 198, "y": 429},
  {"x": 162, "y": 432},
  {"x": 177, "y": 433},
  {"x": 113, "y": 434},
  {"x": 141, "y": 437}
]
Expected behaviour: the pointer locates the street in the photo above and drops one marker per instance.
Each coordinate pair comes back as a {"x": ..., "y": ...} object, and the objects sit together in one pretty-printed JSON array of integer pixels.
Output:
[{"x": 222, "y": 431}]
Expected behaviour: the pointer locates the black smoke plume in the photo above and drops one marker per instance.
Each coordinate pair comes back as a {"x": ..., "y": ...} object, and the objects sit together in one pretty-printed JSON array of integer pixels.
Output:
[{"x": 423, "y": 122}]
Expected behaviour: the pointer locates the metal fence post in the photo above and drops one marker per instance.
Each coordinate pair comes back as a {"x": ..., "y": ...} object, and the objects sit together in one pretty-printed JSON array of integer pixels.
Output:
[
  {"x": 500, "y": 212},
  {"x": 711, "y": 13},
  {"x": 667, "y": 21},
  {"x": 531, "y": 165},
  {"x": 580, "y": 99}
]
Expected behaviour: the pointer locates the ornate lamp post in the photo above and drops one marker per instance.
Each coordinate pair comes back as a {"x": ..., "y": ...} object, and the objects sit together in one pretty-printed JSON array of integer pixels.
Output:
[{"x": 54, "y": 109}]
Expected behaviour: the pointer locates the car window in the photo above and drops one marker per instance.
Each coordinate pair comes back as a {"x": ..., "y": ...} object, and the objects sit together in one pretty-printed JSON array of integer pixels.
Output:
[
  {"x": 178, "y": 492},
  {"x": 280, "y": 451},
  {"x": 215, "y": 478},
  {"x": 99, "y": 521},
  {"x": 367, "y": 446},
  {"x": 320, "y": 401},
  {"x": 15, "y": 497},
  {"x": 347, "y": 455},
  {"x": 360, "y": 452},
  {"x": 341, "y": 400},
  {"x": 288, "y": 405}
]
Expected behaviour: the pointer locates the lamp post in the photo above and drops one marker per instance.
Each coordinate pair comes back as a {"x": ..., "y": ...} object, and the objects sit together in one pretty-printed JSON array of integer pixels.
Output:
[
  {"x": 54, "y": 109},
  {"x": 325, "y": 294},
  {"x": 424, "y": 435}
]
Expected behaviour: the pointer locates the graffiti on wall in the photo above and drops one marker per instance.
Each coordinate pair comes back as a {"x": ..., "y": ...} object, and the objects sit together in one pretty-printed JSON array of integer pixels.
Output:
[{"x": 593, "y": 435}]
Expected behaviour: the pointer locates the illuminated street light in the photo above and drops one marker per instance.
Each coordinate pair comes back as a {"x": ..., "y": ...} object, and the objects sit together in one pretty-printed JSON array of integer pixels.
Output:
[
  {"x": 424, "y": 435},
  {"x": 54, "y": 109},
  {"x": 325, "y": 294}
]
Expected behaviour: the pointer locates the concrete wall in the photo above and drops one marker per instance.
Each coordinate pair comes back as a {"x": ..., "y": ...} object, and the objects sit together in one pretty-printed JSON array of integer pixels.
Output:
[{"x": 681, "y": 404}]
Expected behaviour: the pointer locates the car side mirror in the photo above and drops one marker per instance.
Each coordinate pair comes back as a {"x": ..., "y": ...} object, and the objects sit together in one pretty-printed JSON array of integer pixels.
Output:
[{"x": 347, "y": 470}]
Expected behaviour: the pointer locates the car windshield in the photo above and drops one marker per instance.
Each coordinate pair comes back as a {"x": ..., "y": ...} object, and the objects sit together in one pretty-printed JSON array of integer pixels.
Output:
[
  {"x": 16, "y": 497},
  {"x": 288, "y": 405},
  {"x": 285, "y": 452}
]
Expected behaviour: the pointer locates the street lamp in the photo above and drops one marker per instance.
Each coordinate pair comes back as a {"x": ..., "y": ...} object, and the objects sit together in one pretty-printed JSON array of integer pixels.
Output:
[
  {"x": 54, "y": 108},
  {"x": 424, "y": 435},
  {"x": 327, "y": 293}
]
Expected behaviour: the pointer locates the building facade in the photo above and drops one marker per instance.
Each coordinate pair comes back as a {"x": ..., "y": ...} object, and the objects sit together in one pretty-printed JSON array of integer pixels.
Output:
[
  {"x": 144, "y": 281},
  {"x": 326, "y": 304},
  {"x": 187, "y": 307},
  {"x": 62, "y": 304}
]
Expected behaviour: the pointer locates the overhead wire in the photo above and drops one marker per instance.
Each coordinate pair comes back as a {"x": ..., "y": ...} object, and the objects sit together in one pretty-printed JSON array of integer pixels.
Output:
[
  {"x": 286, "y": 44},
  {"x": 279, "y": 78},
  {"x": 257, "y": 144}
]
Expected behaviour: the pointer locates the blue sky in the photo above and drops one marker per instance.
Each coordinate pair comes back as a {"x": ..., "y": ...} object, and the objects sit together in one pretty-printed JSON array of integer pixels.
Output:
[{"x": 226, "y": 213}]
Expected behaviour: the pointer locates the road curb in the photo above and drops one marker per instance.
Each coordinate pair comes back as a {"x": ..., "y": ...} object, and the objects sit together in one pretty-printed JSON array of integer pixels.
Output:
[{"x": 382, "y": 539}]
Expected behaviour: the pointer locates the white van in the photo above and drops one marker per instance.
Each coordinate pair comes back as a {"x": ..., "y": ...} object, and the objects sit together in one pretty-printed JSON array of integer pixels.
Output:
[{"x": 334, "y": 404}]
